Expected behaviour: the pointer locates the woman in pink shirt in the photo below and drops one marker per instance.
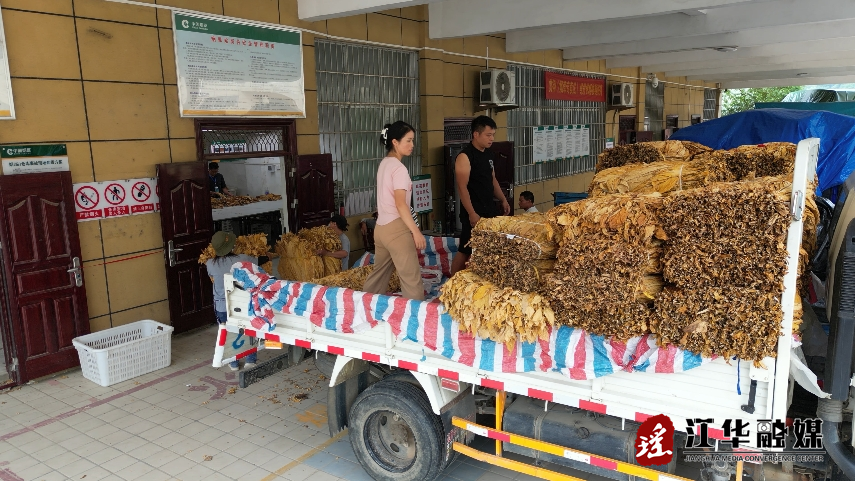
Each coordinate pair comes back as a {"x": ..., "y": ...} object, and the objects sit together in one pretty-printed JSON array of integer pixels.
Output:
[{"x": 397, "y": 237}]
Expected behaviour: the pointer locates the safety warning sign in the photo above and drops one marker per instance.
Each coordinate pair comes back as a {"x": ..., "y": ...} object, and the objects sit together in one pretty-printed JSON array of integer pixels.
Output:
[{"x": 115, "y": 198}]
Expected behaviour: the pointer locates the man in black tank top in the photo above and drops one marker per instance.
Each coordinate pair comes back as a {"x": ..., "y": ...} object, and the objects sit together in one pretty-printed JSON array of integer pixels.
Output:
[{"x": 477, "y": 185}]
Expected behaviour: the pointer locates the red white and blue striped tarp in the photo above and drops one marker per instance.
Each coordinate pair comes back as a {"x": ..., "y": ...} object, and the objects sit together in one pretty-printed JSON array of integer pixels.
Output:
[
  {"x": 438, "y": 253},
  {"x": 568, "y": 350}
]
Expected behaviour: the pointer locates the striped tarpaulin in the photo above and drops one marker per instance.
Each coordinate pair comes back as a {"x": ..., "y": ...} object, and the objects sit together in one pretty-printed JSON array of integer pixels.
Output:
[{"x": 568, "y": 350}]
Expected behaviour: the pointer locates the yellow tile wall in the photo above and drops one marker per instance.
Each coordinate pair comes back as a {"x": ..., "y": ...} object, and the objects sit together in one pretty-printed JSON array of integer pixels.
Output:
[{"x": 100, "y": 77}]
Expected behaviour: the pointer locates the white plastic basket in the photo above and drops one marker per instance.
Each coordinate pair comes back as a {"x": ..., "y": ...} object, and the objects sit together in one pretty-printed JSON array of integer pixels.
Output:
[{"x": 121, "y": 353}]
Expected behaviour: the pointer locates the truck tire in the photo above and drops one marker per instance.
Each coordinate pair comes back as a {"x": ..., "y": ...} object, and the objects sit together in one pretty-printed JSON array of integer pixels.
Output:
[{"x": 395, "y": 435}]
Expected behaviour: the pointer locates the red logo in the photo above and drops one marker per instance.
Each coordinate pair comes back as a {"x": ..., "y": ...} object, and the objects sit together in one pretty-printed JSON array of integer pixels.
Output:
[{"x": 654, "y": 442}]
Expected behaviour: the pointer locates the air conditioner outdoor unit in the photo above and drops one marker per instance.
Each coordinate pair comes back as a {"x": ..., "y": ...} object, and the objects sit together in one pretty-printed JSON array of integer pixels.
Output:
[
  {"x": 622, "y": 95},
  {"x": 498, "y": 87}
]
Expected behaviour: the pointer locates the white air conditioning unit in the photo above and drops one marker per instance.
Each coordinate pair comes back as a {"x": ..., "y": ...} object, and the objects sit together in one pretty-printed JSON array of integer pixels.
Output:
[
  {"x": 622, "y": 95},
  {"x": 498, "y": 87}
]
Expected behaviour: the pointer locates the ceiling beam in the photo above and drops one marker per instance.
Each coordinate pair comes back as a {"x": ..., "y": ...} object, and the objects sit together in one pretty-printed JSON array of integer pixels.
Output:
[
  {"x": 744, "y": 16},
  {"x": 787, "y": 82},
  {"x": 778, "y": 49},
  {"x": 314, "y": 10},
  {"x": 678, "y": 67},
  {"x": 780, "y": 74},
  {"x": 745, "y": 38},
  {"x": 463, "y": 18},
  {"x": 839, "y": 61}
]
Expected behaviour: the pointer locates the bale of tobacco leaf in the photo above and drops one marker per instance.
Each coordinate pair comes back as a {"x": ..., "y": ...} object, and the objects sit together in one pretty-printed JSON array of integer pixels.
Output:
[
  {"x": 649, "y": 152},
  {"x": 723, "y": 321},
  {"x": 354, "y": 279},
  {"x": 252, "y": 245},
  {"x": 323, "y": 238},
  {"x": 492, "y": 312},
  {"x": 513, "y": 252},
  {"x": 298, "y": 259},
  {"x": 731, "y": 234},
  {"x": 608, "y": 269},
  {"x": 747, "y": 162},
  {"x": 662, "y": 177}
]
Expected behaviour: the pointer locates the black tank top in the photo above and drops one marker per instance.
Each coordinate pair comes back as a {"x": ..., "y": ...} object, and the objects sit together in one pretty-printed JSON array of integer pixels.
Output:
[{"x": 480, "y": 184}]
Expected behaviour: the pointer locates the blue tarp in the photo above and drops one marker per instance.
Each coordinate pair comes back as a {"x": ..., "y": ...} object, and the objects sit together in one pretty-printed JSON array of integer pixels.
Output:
[
  {"x": 836, "y": 133},
  {"x": 843, "y": 108}
]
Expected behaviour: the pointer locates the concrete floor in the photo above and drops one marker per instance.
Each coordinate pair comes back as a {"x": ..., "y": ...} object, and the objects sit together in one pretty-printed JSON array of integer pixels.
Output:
[{"x": 186, "y": 422}]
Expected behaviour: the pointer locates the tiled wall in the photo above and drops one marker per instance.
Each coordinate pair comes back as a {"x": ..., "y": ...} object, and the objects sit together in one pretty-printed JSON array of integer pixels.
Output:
[{"x": 100, "y": 77}]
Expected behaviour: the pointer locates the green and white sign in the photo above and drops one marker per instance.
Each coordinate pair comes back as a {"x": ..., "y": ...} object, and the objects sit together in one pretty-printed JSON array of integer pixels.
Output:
[
  {"x": 7, "y": 106},
  {"x": 232, "y": 68},
  {"x": 34, "y": 159}
]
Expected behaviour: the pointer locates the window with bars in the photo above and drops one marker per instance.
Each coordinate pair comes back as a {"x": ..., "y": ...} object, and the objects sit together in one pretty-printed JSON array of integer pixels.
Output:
[
  {"x": 534, "y": 111},
  {"x": 654, "y": 109},
  {"x": 360, "y": 89},
  {"x": 710, "y": 98}
]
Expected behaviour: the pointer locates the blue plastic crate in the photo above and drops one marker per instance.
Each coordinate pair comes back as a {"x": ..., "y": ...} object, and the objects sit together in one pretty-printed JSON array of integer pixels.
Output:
[{"x": 565, "y": 197}]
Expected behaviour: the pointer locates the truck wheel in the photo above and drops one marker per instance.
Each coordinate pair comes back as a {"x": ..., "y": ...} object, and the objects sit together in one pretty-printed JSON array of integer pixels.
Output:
[{"x": 395, "y": 435}]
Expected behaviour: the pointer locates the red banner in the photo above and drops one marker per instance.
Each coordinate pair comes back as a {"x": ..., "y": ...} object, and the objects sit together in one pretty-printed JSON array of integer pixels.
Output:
[{"x": 569, "y": 87}]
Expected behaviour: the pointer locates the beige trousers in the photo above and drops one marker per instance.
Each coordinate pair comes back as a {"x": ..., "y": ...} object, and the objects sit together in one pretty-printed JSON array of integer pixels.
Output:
[{"x": 395, "y": 250}]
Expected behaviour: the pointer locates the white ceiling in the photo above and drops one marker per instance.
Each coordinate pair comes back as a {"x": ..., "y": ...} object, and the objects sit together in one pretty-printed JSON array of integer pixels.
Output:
[{"x": 777, "y": 42}]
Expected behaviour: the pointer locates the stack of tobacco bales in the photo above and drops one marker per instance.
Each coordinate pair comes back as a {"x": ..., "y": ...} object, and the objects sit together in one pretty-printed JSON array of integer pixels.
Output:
[
  {"x": 355, "y": 279},
  {"x": 726, "y": 257},
  {"x": 662, "y": 177},
  {"x": 298, "y": 254},
  {"x": 496, "y": 313},
  {"x": 609, "y": 263},
  {"x": 513, "y": 252}
]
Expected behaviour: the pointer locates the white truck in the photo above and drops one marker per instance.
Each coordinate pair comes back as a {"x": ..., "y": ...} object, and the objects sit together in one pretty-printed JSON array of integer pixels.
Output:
[{"x": 410, "y": 409}]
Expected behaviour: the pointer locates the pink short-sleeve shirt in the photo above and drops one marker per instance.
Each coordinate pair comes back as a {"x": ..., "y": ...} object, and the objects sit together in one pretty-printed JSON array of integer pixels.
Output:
[{"x": 392, "y": 175}]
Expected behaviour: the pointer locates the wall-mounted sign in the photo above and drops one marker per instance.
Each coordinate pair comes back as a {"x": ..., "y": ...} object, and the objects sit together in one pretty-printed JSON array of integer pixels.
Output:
[
  {"x": 34, "y": 159},
  {"x": 610, "y": 143},
  {"x": 422, "y": 194},
  {"x": 236, "y": 68},
  {"x": 115, "y": 198},
  {"x": 560, "y": 142},
  {"x": 7, "y": 106},
  {"x": 571, "y": 87}
]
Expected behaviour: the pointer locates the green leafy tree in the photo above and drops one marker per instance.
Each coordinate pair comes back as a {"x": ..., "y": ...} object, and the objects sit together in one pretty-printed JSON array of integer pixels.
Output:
[{"x": 740, "y": 100}]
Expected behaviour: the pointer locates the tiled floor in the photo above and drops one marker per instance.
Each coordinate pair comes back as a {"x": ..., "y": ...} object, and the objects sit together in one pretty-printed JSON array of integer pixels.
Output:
[{"x": 186, "y": 422}]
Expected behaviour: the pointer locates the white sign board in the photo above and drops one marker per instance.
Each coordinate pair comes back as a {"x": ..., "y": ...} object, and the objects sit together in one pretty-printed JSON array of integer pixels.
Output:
[
  {"x": 538, "y": 140},
  {"x": 115, "y": 198},
  {"x": 34, "y": 159},
  {"x": 237, "y": 68},
  {"x": 7, "y": 106},
  {"x": 422, "y": 194}
]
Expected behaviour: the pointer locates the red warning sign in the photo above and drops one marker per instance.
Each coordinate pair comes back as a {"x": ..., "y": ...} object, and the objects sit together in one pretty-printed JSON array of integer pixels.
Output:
[
  {"x": 114, "y": 194},
  {"x": 141, "y": 192},
  {"x": 99, "y": 200},
  {"x": 86, "y": 197}
]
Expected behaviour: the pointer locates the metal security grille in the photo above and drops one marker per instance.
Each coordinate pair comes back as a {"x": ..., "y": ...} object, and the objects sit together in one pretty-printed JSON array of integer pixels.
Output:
[
  {"x": 360, "y": 89},
  {"x": 654, "y": 109},
  {"x": 457, "y": 130},
  {"x": 255, "y": 141},
  {"x": 710, "y": 98},
  {"x": 534, "y": 110}
]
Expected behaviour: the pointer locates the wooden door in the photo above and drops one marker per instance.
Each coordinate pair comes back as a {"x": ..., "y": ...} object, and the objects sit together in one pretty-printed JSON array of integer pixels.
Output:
[
  {"x": 187, "y": 227},
  {"x": 46, "y": 301},
  {"x": 503, "y": 166},
  {"x": 314, "y": 194}
]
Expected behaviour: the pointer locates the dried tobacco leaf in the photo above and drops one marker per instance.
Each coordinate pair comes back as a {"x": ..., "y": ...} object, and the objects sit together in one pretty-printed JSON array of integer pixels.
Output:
[
  {"x": 500, "y": 314},
  {"x": 662, "y": 177},
  {"x": 355, "y": 279}
]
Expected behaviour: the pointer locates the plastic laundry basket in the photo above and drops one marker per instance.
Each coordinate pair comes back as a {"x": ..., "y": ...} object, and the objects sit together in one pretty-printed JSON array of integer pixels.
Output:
[{"x": 121, "y": 353}]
